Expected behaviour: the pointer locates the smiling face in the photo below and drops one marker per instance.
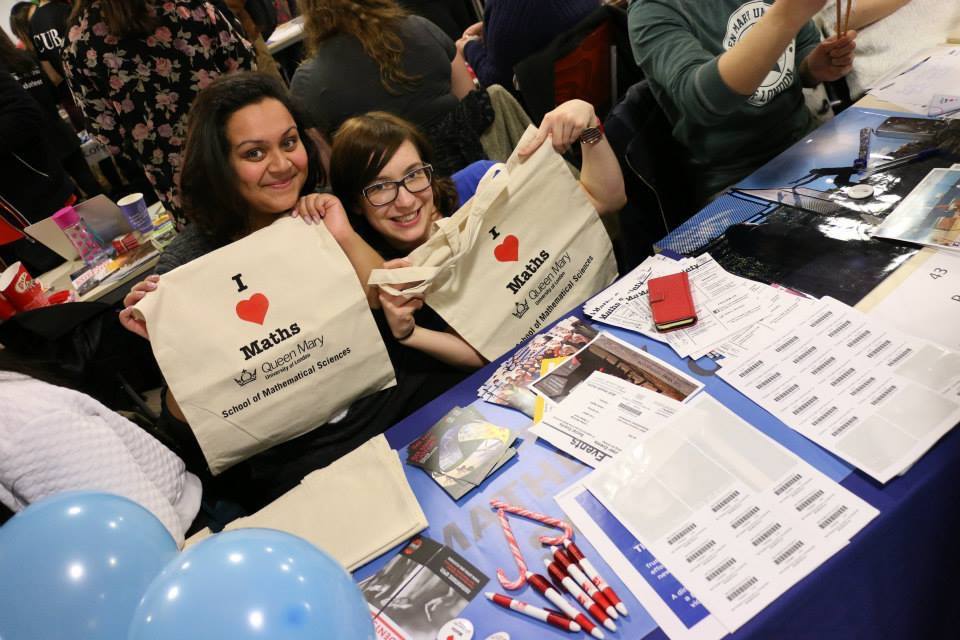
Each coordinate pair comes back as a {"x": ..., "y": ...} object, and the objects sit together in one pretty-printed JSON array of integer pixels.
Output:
[
  {"x": 406, "y": 222},
  {"x": 268, "y": 158}
]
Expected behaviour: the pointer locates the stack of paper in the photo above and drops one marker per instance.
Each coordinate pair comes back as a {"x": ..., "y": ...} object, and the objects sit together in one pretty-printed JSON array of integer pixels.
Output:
[
  {"x": 864, "y": 391},
  {"x": 603, "y": 417},
  {"x": 725, "y": 304},
  {"x": 926, "y": 84},
  {"x": 722, "y": 518},
  {"x": 508, "y": 384},
  {"x": 355, "y": 509}
]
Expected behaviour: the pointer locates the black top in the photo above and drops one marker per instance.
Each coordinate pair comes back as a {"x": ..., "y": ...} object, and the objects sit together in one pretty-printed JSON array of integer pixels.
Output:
[
  {"x": 341, "y": 81},
  {"x": 32, "y": 178},
  {"x": 48, "y": 29},
  {"x": 61, "y": 135}
]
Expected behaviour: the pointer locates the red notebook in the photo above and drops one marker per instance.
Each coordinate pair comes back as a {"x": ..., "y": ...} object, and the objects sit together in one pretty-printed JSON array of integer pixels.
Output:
[{"x": 671, "y": 302}]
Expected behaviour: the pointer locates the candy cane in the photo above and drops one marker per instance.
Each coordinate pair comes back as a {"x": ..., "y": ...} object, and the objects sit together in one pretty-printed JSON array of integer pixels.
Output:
[
  {"x": 538, "y": 517},
  {"x": 517, "y": 556}
]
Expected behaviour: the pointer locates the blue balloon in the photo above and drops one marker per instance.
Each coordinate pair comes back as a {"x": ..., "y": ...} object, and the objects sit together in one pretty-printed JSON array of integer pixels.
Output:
[
  {"x": 253, "y": 583},
  {"x": 75, "y": 565}
]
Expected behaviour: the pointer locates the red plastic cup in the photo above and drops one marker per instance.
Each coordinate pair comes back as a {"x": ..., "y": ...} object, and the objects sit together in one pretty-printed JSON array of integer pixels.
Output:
[
  {"x": 6, "y": 309},
  {"x": 21, "y": 290}
]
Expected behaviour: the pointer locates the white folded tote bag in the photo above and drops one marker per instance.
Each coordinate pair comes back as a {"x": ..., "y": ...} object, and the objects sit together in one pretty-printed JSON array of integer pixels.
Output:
[
  {"x": 265, "y": 339},
  {"x": 526, "y": 249}
]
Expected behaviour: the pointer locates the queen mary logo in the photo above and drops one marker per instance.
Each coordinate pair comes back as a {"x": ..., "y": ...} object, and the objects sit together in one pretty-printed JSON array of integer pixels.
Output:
[{"x": 784, "y": 70}]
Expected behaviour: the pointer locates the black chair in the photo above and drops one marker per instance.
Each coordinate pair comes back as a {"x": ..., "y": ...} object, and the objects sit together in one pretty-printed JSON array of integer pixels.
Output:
[
  {"x": 91, "y": 351},
  {"x": 578, "y": 63},
  {"x": 656, "y": 170}
]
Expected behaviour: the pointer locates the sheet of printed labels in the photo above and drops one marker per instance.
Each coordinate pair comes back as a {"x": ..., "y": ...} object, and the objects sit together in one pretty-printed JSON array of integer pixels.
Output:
[
  {"x": 864, "y": 391},
  {"x": 734, "y": 516}
]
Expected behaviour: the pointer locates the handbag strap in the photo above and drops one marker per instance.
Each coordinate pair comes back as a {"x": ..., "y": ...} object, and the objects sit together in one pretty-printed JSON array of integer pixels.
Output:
[{"x": 458, "y": 234}]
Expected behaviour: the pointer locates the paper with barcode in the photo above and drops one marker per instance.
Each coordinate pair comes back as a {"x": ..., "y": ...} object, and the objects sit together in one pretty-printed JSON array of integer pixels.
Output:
[
  {"x": 859, "y": 388},
  {"x": 735, "y": 516},
  {"x": 602, "y": 417}
]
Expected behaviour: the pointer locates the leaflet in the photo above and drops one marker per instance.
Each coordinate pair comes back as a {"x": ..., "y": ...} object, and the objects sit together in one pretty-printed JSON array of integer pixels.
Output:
[
  {"x": 673, "y": 607},
  {"x": 724, "y": 303},
  {"x": 864, "y": 391},
  {"x": 602, "y": 417},
  {"x": 611, "y": 355},
  {"x": 736, "y": 517}
]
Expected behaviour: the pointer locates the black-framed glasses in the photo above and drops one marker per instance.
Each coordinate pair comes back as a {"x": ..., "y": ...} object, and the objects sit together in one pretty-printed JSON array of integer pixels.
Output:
[{"x": 383, "y": 193}]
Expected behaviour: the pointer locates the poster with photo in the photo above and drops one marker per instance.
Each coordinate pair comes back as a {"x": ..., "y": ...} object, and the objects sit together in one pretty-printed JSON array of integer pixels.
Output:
[
  {"x": 930, "y": 215},
  {"x": 419, "y": 590},
  {"x": 617, "y": 358}
]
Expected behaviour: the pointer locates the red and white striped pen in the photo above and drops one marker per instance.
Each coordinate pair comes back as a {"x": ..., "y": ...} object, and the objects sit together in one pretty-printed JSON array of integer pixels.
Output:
[
  {"x": 555, "y": 619},
  {"x": 565, "y": 560},
  {"x": 579, "y": 595},
  {"x": 595, "y": 577},
  {"x": 541, "y": 584}
]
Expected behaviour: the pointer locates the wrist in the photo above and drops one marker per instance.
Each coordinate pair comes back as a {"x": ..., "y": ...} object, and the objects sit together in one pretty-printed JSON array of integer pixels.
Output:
[
  {"x": 784, "y": 16},
  {"x": 407, "y": 336}
]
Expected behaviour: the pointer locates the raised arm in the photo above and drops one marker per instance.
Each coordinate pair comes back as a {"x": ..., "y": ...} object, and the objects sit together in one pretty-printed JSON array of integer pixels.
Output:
[
  {"x": 866, "y": 12},
  {"x": 600, "y": 176}
]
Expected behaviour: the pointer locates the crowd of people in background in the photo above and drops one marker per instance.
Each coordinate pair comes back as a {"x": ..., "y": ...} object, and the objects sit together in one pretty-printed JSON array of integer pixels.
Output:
[{"x": 388, "y": 124}]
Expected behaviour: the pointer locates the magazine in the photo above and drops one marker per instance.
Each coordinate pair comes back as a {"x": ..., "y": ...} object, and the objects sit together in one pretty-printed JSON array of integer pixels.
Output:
[{"x": 930, "y": 215}]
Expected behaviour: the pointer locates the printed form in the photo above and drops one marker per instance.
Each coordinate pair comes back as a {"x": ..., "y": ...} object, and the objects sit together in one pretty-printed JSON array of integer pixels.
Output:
[
  {"x": 864, "y": 391},
  {"x": 734, "y": 516},
  {"x": 602, "y": 417}
]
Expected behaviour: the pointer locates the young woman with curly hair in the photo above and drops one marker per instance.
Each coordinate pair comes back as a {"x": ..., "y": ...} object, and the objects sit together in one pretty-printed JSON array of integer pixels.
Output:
[{"x": 367, "y": 55}]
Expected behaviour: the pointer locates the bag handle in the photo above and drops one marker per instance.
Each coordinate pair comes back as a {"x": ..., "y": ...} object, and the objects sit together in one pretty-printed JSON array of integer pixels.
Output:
[{"x": 457, "y": 234}]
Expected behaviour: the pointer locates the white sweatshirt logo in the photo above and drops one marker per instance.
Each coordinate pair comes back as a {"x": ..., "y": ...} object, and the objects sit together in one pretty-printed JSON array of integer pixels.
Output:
[{"x": 783, "y": 72}]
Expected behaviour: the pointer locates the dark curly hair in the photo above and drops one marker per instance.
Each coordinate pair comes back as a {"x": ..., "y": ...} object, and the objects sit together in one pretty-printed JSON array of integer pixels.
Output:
[
  {"x": 208, "y": 183},
  {"x": 362, "y": 147}
]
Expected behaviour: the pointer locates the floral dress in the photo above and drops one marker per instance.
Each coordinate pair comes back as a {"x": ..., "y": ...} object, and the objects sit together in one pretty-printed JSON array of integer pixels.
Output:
[{"x": 136, "y": 92}]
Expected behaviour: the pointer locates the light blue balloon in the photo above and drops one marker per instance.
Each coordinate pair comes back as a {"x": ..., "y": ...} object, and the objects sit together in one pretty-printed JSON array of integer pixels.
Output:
[
  {"x": 74, "y": 566},
  {"x": 252, "y": 584}
]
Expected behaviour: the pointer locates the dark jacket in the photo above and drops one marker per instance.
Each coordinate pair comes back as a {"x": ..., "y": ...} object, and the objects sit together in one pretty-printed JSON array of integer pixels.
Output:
[{"x": 32, "y": 178}]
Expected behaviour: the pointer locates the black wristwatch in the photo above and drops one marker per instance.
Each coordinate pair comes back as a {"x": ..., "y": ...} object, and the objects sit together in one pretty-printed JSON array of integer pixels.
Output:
[{"x": 592, "y": 135}]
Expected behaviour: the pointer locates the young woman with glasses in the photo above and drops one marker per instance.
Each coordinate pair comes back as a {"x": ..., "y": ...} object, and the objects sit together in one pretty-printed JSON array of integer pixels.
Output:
[
  {"x": 380, "y": 168},
  {"x": 247, "y": 164}
]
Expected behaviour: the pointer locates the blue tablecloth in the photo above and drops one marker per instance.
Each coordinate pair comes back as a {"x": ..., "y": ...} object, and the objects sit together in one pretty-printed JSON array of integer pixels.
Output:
[{"x": 897, "y": 578}]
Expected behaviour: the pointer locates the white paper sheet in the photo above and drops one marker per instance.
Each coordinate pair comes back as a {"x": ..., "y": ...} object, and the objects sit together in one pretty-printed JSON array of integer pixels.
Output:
[
  {"x": 603, "y": 417},
  {"x": 857, "y": 387},
  {"x": 916, "y": 83},
  {"x": 676, "y": 610},
  {"x": 926, "y": 303},
  {"x": 737, "y": 518}
]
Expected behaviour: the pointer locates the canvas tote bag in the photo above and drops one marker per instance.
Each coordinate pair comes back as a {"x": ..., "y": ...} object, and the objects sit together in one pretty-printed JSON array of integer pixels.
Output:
[
  {"x": 526, "y": 249},
  {"x": 265, "y": 339}
]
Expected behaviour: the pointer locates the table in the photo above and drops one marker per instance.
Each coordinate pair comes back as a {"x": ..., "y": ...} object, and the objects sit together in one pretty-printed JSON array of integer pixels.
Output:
[
  {"x": 112, "y": 291},
  {"x": 895, "y": 579}
]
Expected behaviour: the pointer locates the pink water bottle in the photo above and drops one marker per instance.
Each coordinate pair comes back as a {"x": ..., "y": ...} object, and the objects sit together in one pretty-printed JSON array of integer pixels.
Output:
[{"x": 81, "y": 236}]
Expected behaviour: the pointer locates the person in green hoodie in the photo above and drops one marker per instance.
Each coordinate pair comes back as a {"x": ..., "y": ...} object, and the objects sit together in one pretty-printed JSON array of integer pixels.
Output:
[{"x": 729, "y": 75}]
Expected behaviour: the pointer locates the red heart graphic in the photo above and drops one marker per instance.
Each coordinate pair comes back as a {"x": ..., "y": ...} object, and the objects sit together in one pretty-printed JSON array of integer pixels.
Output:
[
  {"x": 253, "y": 309},
  {"x": 508, "y": 250}
]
